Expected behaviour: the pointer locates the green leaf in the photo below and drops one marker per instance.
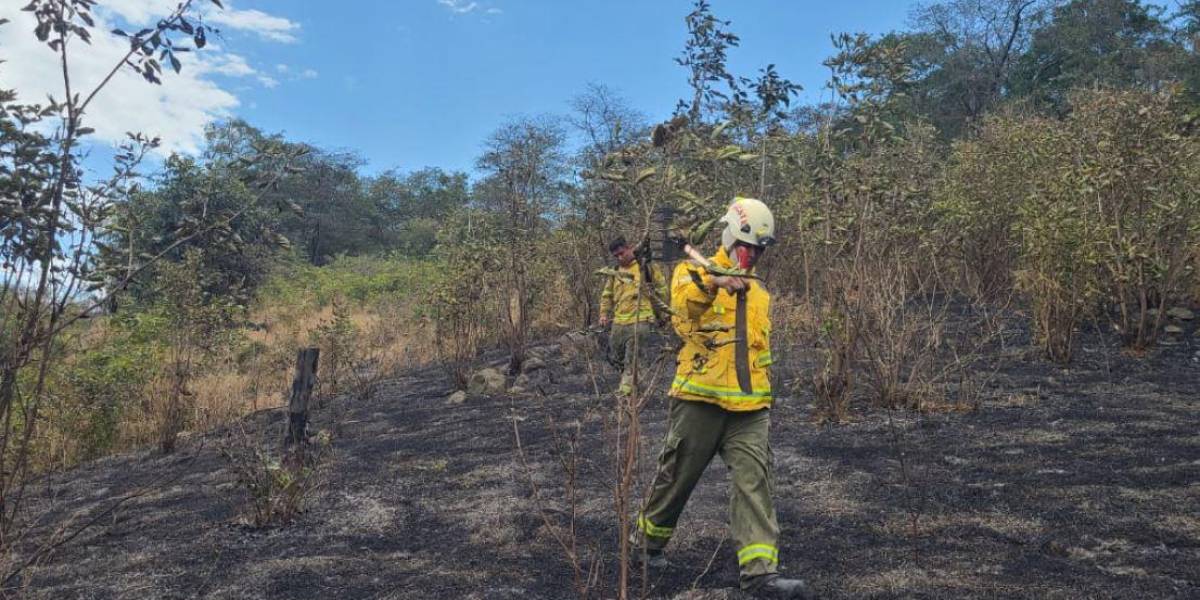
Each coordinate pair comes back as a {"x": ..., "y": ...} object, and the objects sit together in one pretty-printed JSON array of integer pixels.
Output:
[
  {"x": 700, "y": 232},
  {"x": 728, "y": 152}
]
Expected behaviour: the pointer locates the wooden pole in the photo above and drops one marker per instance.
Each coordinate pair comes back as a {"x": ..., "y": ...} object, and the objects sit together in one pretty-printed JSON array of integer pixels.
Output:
[{"x": 302, "y": 385}]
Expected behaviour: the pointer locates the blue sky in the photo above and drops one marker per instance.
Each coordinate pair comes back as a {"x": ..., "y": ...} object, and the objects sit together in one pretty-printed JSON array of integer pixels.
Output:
[{"x": 414, "y": 83}]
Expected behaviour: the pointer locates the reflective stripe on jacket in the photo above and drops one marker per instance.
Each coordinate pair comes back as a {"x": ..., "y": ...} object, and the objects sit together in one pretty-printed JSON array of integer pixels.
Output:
[
  {"x": 706, "y": 369},
  {"x": 622, "y": 299}
]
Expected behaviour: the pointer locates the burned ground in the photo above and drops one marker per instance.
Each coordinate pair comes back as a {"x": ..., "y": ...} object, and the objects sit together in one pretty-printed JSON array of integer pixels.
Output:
[{"x": 1077, "y": 482}]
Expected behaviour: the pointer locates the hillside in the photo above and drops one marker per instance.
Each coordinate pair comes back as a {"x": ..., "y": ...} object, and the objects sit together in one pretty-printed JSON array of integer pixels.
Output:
[{"x": 1063, "y": 483}]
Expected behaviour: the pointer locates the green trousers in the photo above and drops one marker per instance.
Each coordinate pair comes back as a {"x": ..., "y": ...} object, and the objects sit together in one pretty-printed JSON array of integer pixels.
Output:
[
  {"x": 625, "y": 344},
  {"x": 697, "y": 432}
]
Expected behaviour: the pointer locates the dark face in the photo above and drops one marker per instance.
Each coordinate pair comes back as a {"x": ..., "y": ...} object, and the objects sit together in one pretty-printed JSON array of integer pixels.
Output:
[{"x": 624, "y": 256}]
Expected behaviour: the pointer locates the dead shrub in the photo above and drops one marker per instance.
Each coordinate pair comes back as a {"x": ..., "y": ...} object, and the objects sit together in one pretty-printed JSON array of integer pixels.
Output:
[{"x": 279, "y": 483}]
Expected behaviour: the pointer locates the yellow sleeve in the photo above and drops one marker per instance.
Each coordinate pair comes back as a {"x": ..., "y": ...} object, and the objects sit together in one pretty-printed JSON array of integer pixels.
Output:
[
  {"x": 606, "y": 298},
  {"x": 660, "y": 282},
  {"x": 688, "y": 299}
]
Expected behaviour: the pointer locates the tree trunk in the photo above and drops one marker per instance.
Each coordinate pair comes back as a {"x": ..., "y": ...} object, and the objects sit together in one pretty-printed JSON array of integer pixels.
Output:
[{"x": 302, "y": 385}]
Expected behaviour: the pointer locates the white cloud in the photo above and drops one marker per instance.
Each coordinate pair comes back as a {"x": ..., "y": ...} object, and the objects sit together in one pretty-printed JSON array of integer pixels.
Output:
[
  {"x": 268, "y": 82},
  {"x": 494, "y": 11},
  {"x": 271, "y": 27},
  {"x": 295, "y": 73},
  {"x": 459, "y": 6},
  {"x": 176, "y": 111},
  {"x": 138, "y": 12},
  {"x": 230, "y": 65}
]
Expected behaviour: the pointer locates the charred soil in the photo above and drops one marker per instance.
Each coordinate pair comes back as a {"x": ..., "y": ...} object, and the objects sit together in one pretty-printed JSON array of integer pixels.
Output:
[{"x": 1079, "y": 482}]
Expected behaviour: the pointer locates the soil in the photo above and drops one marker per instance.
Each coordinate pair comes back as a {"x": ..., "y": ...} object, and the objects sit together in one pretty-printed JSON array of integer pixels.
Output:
[{"x": 1079, "y": 482}]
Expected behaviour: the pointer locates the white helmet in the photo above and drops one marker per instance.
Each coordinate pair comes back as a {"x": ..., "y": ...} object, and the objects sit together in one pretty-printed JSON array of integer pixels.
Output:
[{"x": 749, "y": 221}]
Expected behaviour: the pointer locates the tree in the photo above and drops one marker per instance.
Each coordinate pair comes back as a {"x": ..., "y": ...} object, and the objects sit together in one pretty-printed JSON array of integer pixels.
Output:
[
  {"x": 525, "y": 163},
  {"x": 234, "y": 257},
  {"x": 597, "y": 211},
  {"x": 1121, "y": 43},
  {"x": 414, "y": 206},
  {"x": 334, "y": 215},
  {"x": 54, "y": 223},
  {"x": 964, "y": 52},
  {"x": 704, "y": 56},
  {"x": 1187, "y": 36}
]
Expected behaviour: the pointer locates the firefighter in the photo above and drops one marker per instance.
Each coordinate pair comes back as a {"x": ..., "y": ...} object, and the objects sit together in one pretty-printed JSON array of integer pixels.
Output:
[
  {"x": 720, "y": 401},
  {"x": 627, "y": 306}
]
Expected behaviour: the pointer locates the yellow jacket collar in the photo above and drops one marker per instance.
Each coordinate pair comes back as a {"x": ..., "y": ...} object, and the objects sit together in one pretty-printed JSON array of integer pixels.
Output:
[{"x": 723, "y": 260}]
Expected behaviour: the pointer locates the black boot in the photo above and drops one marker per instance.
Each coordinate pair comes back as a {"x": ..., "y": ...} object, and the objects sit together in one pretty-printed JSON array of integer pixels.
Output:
[
  {"x": 774, "y": 586},
  {"x": 639, "y": 553}
]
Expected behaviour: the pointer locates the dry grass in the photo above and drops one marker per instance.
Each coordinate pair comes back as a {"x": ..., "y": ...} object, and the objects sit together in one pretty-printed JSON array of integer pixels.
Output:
[{"x": 253, "y": 374}]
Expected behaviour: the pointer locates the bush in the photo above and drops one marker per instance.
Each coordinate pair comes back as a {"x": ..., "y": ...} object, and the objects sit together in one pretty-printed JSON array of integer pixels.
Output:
[
  {"x": 1100, "y": 206},
  {"x": 279, "y": 487}
]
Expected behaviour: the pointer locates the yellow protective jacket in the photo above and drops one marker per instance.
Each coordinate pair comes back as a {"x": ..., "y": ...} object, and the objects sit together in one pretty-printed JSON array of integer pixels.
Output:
[
  {"x": 706, "y": 369},
  {"x": 621, "y": 298}
]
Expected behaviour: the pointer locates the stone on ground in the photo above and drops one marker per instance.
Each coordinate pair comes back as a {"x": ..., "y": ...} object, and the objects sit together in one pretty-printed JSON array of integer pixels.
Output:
[
  {"x": 486, "y": 382},
  {"x": 1181, "y": 314},
  {"x": 533, "y": 363}
]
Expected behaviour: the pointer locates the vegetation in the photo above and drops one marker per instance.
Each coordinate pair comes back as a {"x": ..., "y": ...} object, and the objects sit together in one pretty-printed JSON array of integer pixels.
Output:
[{"x": 1042, "y": 154}]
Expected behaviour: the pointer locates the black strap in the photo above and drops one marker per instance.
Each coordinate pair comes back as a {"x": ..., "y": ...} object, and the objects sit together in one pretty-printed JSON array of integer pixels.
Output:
[{"x": 741, "y": 348}]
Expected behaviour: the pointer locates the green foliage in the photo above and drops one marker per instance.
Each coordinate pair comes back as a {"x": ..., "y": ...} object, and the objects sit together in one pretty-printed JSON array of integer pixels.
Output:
[
  {"x": 100, "y": 387},
  {"x": 1096, "y": 42},
  {"x": 465, "y": 307},
  {"x": 980, "y": 196},
  {"x": 1100, "y": 209},
  {"x": 222, "y": 207},
  {"x": 341, "y": 358},
  {"x": 198, "y": 326},
  {"x": 364, "y": 280},
  {"x": 705, "y": 56},
  {"x": 279, "y": 488}
]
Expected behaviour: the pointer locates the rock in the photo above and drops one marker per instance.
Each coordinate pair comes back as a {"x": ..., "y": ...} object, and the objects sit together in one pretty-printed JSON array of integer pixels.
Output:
[
  {"x": 533, "y": 363},
  {"x": 1181, "y": 314},
  {"x": 575, "y": 348},
  {"x": 1175, "y": 329},
  {"x": 457, "y": 397},
  {"x": 486, "y": 382}
]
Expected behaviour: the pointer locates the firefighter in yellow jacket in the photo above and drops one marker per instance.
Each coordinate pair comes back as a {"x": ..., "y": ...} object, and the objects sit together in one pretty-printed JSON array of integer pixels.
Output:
[
  {"x": 627, "y": 306},
  {"x": 720, "y": 402}
]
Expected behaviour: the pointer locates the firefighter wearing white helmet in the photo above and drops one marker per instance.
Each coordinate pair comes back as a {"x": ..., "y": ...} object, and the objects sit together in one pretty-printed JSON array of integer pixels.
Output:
[
  {"x": 720, "y": 401},
  {"x": 748, "y": 221}
]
